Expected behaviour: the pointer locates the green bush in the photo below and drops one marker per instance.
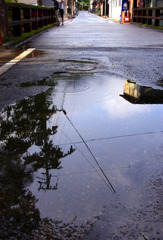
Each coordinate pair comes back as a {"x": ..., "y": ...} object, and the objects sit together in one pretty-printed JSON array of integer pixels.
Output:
[
  {"x": 25, "y": 36},
  {"x": 10, "y": 1}
]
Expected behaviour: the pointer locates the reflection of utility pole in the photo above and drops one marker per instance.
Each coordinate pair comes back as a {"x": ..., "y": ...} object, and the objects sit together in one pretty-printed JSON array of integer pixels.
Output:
[
  {"x": 65, "y": 113},
  {"x": 109, "y": 183},
  {"x": 45, "y": 182}
]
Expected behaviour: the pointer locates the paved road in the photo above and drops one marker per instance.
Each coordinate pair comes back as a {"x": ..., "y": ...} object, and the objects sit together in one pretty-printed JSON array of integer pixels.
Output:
[
  {"x": 124, "y": 49},
  {"x": 97, "y": 47},
  {"x": 90, "y": 31},
  {"x": 127, "y": 50}
]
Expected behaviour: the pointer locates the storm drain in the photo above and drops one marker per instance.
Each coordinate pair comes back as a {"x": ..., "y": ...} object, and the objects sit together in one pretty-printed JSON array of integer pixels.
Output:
[{"x": 78, "y": 66}]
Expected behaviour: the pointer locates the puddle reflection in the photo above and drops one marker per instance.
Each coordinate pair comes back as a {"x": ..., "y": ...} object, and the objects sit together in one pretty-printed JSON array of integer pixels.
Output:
[
  {"x": 26, "y": 148},
  {"x": 36, "y": 53},
  {"x": 138, "y": 94},
  {"x": 58, "y": 148}
]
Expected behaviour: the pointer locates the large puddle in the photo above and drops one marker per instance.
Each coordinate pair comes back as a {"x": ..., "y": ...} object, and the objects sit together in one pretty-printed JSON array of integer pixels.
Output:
[{"x": 86, "y": 142}]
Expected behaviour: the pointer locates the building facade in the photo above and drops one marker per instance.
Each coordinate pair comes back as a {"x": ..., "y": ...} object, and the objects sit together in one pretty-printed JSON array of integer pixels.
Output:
[
  {"x": 122, "y": 10},
  {"x": 115, "y": 8},
  {"x": 69, "y": 6}
]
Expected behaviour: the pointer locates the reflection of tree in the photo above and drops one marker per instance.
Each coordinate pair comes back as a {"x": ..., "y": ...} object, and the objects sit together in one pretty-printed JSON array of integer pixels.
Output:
[
  {"x": 18, "y": 214},
  {"x": 27, "y": 119},
  {"x": 48, "y": 158},
  {"x": 22, "y": 126}
]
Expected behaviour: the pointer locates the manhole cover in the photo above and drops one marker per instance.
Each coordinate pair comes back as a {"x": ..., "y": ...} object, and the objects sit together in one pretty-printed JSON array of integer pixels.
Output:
[{"x": 80, "y": 68}]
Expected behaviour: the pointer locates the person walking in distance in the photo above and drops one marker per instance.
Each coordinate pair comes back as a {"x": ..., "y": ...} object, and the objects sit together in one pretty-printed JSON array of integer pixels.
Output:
[
  {"x": 62, "y": 10},
  {"x": 56, "y": 9}
]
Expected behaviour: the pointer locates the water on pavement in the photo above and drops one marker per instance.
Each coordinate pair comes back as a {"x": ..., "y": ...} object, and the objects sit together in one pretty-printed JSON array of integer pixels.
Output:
[{"x": 68, "y": 152}]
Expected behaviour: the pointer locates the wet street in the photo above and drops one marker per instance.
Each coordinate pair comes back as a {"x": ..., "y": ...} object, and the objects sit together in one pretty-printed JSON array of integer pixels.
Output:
[{"x": 81, "y": 139}]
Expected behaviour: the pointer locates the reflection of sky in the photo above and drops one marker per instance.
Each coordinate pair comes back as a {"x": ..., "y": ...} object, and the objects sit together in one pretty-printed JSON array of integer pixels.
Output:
[
  {"x": 98, "y": 113},
  {"x": 120, "y": 108}
]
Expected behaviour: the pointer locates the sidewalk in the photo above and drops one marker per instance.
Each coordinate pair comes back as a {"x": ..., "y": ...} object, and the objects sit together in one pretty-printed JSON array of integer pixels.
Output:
[{"x": 111, "y": 19}]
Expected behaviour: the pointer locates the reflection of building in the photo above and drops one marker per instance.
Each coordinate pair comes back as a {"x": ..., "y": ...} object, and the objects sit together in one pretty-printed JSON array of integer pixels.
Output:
[{"x": 136, "y": 93}]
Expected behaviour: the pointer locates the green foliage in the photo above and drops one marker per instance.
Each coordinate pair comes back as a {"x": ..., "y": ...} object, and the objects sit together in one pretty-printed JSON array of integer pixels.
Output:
[
  {"x": 43, "y": 82},
  {"x": 146, "y": 25},
  {"x": 84, "y": 3},
  {"x": 25, "y": 36},
  {"x": 15, "y": 2},
  {"x": 10, "y": 1}
]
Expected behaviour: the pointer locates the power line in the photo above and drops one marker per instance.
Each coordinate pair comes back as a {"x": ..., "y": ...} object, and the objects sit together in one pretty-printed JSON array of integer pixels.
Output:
[
  {"x": 65, "y": 113},
  {"x": 89, "y": 171},
  {"x": 94, "y": 169},
  {"x": 111, "y": 186},
  {"x": 120, "y": 136}
]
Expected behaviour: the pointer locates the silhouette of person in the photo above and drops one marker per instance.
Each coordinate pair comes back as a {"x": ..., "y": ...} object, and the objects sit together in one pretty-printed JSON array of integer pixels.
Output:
[
  {"x": 56, "y": 9},
  {"x": 62, "y": 10}
]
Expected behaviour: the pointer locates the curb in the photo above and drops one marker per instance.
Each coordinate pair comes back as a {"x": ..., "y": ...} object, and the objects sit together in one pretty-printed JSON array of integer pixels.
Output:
[
  {"x": 11, "y": 45},
  {"x": 147, "y": 27}
]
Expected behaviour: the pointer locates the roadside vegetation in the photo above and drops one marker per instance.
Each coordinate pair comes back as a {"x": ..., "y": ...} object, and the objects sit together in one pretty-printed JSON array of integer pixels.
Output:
[
  {"x": 24, "y": 36},
  {"x": 146, "y": 25},
  {"x": 10, "y": 1},
  {"x": 83, "y": 4}
]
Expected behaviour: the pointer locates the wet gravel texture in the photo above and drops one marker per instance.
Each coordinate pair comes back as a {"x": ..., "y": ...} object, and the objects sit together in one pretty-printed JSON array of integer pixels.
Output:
[
  {"x": 46, "y": 230},
  {"x": 118, "y": 222},
  {"x": 115, "y": 222}
]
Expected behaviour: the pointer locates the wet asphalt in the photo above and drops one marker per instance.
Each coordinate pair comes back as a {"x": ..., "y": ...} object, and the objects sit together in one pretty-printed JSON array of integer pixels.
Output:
[
  {"x": 92, "y": 46},
  {"x": 126, "y": 50},
  {"x": 123, "y": 49}
]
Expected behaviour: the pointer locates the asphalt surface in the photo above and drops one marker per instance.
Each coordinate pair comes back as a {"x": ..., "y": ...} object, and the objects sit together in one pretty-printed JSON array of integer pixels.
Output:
[
  {"x": 123, "y": 50},
  {"x": 126, "y": 50}
]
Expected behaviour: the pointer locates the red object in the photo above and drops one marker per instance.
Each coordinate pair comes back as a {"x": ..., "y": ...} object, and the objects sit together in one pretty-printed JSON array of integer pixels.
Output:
[{"x": 127, "y": 19}]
